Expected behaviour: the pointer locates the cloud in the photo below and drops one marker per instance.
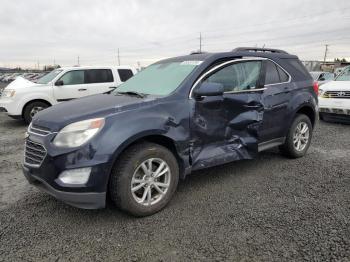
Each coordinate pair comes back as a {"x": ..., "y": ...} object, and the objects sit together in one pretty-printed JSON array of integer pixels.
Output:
[{"x": 148, "y": 30}]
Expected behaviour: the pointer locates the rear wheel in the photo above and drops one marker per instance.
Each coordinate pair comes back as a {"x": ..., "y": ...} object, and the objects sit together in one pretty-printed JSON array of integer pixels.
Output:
[
  {"x": 144, "y": 179},
  {"x": 32, "y": 109},
  {"x": 298, "y": 138}
]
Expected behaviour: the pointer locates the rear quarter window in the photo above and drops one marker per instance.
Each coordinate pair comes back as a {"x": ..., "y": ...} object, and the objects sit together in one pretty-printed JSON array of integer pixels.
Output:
[
  {"x": 297, "y": 69},
  {"x": 125, "y": 74}
]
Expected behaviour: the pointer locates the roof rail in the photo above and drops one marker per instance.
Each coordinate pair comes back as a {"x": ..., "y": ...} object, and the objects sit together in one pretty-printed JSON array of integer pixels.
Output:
[
  {"x": 197, "y": 52},
  {"x": 257, "y": 49}
]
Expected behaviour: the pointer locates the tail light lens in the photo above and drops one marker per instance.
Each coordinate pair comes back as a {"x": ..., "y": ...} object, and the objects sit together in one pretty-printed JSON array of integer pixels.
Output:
[{"x": 316, "y": 87}]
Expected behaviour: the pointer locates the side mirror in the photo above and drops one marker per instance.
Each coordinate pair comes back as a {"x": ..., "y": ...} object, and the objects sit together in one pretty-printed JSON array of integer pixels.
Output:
[
  {"x": 209, "y": 89},
  {"x": 321, "y": 79},
  {"x": 59, "y": 83}
]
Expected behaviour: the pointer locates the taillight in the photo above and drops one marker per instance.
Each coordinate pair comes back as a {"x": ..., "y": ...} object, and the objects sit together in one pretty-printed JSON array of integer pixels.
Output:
[{"x": 316, "y": 87}]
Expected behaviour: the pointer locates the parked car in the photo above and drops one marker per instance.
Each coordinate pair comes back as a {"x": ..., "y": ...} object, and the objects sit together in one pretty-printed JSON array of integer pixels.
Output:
[
  {"x": 338, "y": 70},
  {"x": 334, "y": 98},
  {"x": 23, "y": 99},
  {"x": 322, "y": 77},
  {"x": 4, "y": 76},
  {"x": 176, "y": 116}
]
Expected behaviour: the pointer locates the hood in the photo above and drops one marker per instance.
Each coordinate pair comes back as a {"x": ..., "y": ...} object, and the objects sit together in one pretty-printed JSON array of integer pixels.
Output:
[
  {"x": 58, "y": 116},
  {"x": 21, "y": 82},
  {"x": 336, "y": 86}
]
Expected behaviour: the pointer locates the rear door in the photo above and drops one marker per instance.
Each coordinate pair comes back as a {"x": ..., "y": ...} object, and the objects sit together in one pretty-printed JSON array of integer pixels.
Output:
[
  {"x": 73, "y": 86},
  {"x": 99, "y": 80},
  {"x": 275, "y": 99},
  {"x": 225, "y": 128}
]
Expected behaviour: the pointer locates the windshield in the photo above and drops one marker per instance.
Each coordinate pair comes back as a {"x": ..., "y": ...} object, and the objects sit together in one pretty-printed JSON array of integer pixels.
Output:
[
  {"x": 344, "y": 75},
  {"x": 159, "y": 79},
  {"x": 49, "y": 77},
  {"x": 315, "y": 75}
]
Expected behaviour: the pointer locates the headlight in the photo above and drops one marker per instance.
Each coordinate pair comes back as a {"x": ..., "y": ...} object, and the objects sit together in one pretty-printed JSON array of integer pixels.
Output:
[
  {"x": 8, "y": 93},
  {"x": 320, "y": 92},
  {"x": 78, "y": 133}
]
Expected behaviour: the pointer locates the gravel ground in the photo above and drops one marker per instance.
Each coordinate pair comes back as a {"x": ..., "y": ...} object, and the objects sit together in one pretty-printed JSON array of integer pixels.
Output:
[{"x": 268, "y": 209}]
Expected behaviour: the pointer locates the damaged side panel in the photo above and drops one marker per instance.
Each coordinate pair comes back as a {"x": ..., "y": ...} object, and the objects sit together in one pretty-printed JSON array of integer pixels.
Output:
[{"x": 226, "y": 128}]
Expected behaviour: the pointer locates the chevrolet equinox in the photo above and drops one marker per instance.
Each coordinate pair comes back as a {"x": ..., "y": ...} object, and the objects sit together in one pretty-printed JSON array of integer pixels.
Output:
[{"x": 178, "y": 115}]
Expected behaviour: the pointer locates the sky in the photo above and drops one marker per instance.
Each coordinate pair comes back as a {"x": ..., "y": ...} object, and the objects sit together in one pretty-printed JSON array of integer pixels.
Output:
[{"x": 46, "y": 32}]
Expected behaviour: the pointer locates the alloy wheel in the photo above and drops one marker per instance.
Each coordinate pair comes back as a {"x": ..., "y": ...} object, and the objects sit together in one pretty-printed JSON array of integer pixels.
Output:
[
  {"x": 301, "y": 136},
  {"x": 35, "y": 110},
  {"x": 150, "y": 181}
]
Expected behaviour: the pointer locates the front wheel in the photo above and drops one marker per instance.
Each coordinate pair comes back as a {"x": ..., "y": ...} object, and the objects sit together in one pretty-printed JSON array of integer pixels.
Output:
[
  {"x": 298, "y": 138},
  {"x": 144, "y": 179},
  {"x": 32, "y": 109}
]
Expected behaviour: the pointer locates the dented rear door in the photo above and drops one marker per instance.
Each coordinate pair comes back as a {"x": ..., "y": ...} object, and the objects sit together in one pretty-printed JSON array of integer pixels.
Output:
[{"x": 226, "y": 128}]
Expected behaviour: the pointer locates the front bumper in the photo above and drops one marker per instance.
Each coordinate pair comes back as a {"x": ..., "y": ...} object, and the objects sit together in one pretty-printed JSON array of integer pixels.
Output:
[
  {"x": 10, "y": 106},
  {"x": 48, "y": 162},
  {"x": 86, "y": 200},
  {"x": 338, "y": 118}
]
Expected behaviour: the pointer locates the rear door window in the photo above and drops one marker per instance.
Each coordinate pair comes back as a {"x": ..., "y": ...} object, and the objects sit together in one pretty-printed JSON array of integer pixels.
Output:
[
  {"x": 272, "y": 75},
  {"x": 98, "y": 76},
  {"x": 125, "y": 74}
]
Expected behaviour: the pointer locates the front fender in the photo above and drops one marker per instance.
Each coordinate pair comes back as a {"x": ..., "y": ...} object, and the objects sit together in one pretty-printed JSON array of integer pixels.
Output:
[
  {"x": 170, "y": 120},
  {"x": 26, "y": 98}
]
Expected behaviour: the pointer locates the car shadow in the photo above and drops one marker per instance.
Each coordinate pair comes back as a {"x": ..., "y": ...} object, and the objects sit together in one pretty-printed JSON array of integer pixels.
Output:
[{"x": 110, "y": 214}]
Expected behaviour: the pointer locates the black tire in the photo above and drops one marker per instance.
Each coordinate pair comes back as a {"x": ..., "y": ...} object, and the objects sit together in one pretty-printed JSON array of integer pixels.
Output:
[
  {"x": 27, "y": 111},
  {"x": 123, "y": 171},
  {"x": 321, "y": 116},
  {"x": 288, "y": 149}
]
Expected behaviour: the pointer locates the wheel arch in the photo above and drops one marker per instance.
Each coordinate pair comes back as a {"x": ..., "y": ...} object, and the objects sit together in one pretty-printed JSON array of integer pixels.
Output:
[
  {"x": 308, "y": 111},
  {"x": 32, "y": 101},
  {"x": 156, "y": 138}
]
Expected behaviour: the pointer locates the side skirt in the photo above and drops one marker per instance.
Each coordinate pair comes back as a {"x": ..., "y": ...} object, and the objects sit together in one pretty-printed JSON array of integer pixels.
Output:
[{"x": 271, "y": 144}]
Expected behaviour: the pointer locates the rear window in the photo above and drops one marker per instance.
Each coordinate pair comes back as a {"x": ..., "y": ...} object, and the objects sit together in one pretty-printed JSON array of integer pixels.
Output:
[
  {"x": 125, "y": 74},
  {"x": 98, "y": 76}
]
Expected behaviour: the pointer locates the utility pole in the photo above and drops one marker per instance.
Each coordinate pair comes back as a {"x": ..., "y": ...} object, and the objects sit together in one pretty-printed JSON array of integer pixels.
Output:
[
  {"x": 118, "y": 57},
  {"x": 54, "y": 62},
  {"x": 200, "y": 42},
  {"x": 325, "y": 53},
  {"x": 78, "y": 61}
]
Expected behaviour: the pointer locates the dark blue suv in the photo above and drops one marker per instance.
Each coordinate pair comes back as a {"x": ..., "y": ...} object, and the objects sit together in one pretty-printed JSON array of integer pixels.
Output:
[{"x": 178, "y": 115}]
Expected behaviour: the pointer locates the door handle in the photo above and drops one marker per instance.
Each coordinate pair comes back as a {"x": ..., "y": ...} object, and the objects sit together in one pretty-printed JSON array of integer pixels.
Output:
[
  {"x": 252, "y": 107},
  {"x": 82, "y": 89}
]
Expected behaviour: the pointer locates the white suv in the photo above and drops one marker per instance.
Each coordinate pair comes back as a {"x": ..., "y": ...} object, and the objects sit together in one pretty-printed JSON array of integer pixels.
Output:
[
  {"x": 23, "y": 98},
  {"x": 334, "y": 98}
]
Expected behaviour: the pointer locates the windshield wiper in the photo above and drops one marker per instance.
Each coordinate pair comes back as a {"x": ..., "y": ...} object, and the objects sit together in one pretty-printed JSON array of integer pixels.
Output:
[{"x": 133, "y": 93}]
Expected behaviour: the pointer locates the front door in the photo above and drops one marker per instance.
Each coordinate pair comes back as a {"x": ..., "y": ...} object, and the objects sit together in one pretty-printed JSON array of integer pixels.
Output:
[
  {"x": 226, "y": 128},
  {"x": 72, "y": 85}
]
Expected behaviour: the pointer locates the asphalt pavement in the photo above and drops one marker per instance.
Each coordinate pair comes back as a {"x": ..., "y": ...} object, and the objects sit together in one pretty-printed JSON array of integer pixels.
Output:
[{"x": 268, "y": 209}]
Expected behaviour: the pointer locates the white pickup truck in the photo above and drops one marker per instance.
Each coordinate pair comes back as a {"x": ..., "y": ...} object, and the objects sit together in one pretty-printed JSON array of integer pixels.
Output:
[{"x": 22, "y": 99}]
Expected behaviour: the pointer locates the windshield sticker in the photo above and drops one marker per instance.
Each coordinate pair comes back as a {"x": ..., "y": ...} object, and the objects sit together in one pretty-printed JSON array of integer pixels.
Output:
[{"x": 195, "y": 63}]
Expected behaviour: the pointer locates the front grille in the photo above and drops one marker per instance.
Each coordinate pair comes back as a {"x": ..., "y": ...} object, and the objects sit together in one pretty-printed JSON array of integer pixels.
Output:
[
  {"x": 38, "y": 130},
  {"x": 337, "y": 94},
  {"x": 34, "y": 153}
]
